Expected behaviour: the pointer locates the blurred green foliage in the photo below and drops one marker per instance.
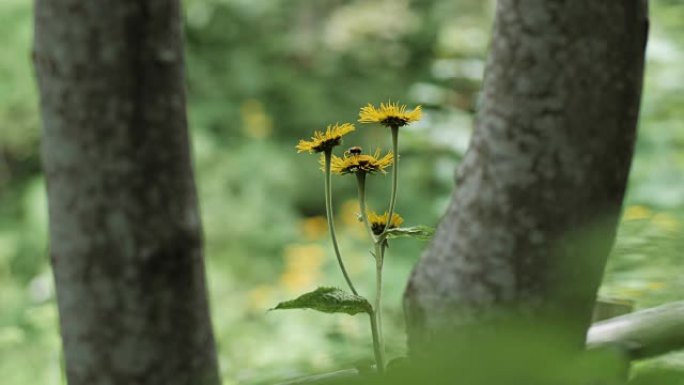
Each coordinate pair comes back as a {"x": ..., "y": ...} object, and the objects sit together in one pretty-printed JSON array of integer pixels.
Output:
[{"x": 262, "y": 74}]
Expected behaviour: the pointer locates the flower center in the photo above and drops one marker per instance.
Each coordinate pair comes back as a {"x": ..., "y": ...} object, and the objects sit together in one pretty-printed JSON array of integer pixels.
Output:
[{"x": 394, "y": 121}]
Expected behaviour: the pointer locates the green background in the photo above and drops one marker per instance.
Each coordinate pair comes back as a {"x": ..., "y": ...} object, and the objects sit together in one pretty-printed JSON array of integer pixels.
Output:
[{"x": 261, "y": 75}]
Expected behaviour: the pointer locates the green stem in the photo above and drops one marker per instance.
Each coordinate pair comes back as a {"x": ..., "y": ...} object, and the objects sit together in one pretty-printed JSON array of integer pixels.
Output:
[
  {"x": 379, "y": 259},
  {"x": 331, "y": 223},
  {"x": 395, "y": 158},
  {"x": 361, "y": 184},
  {"x": 376, "y": 317},
  {"x": 380, "y": 246},
  {"x": 377, "y": 347}
]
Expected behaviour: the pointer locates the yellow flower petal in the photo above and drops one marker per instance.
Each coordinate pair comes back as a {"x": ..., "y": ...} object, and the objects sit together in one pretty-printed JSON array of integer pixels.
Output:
[
  {"x": 379, "y": 222},
  {"x": 322, "y": 141},
  {"x": 390, "y": 114},
  {"x": 352, "y": 163}
]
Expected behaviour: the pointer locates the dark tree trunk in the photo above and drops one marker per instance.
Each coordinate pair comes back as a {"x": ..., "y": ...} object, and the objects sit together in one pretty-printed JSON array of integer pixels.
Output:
[
  {"x": 125, "y": 232},
  {"x": 539, "y": 192}
]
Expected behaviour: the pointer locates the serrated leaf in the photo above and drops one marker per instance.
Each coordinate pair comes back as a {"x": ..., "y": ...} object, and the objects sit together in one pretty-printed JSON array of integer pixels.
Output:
[
  {"x": 328, "y": 300},
  {"x": 419, "y": 232}
]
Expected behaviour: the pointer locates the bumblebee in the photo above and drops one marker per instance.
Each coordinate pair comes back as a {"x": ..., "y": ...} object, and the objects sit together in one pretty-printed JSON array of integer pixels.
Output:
[{"x": 356, "y": 150}]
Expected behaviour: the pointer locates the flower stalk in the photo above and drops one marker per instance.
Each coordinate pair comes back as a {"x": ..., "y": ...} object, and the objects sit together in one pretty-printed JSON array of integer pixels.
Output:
[
  {"x": 378, "y": 350},
  {"x": 331, "y": 222},
  {"x": 376, "y": 316},
  {"x": 327, "y": 299},
  {"x": 361, "y": 186},
  {"x": 395, "y": 173},
  {"x": 379, "y": 259}
]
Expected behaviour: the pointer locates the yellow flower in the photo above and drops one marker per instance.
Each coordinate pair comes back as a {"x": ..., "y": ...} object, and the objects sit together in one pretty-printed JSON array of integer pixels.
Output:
[
  {"x": 666, "y": 222},
  {"x": 389, "y": 115},
  {"x": 303, "y": 265},
  {"x": 314, "y": 227},
  {"x": 354, "y": 162},
  {"x": 255, "y": 121},
  {"x": 322, "y": 141},
  {"x": 378, "y": 222},
  {"x": 636, "y": 213},
  {"x": 260, "y": 297}
]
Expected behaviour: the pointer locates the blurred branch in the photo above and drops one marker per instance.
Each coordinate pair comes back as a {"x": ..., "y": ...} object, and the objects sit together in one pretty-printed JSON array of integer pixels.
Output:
[
  {"x": 607, "y": 308},
  {"x": 643, "y": 334}
]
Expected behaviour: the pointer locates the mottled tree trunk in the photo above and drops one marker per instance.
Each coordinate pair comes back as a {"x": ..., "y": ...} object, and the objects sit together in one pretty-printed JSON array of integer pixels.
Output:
[
  {"x": 538, "y": 195},
  {"x": 126, "y": 244}
]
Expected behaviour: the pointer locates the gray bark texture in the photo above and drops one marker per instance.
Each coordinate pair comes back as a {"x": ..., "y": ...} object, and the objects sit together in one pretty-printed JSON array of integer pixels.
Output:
[
  {"x": 125, "y": 233},
  {"x": 538, "y": 195}
]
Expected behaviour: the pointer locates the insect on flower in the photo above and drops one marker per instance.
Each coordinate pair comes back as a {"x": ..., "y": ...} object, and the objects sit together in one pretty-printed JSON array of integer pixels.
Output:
[
  {"x": 356, "y": 150},
  {"x": 354, "y": 161}
]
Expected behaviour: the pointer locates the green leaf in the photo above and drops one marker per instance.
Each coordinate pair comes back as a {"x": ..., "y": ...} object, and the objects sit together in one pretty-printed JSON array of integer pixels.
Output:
[
  {"x": 419, "y": 232},
  {"x": 329, "y": 300}
]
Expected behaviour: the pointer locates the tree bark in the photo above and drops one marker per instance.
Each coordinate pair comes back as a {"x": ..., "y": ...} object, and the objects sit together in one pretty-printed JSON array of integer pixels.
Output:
[
  {"x": 125, "y": 233},
  {"x": 538, "y": 195}
]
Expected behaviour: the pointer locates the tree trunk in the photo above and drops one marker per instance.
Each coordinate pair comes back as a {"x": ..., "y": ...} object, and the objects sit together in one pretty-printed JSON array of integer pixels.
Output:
[
  {"x": 539, "y": 192},
  {"x": 125, "y": 232}
]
